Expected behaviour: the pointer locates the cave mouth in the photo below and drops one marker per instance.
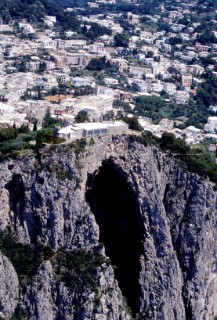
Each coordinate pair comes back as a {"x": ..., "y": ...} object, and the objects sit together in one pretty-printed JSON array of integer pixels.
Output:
[{"x": 115, "y": 208}]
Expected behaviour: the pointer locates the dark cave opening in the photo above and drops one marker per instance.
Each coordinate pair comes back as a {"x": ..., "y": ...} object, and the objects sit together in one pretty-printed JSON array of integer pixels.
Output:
[
  {"x": 16, "y": 197},
  {"x": 115, "y": 208}
]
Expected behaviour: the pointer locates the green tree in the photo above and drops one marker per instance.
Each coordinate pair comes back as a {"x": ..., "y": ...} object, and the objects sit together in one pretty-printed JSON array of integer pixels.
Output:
[
  {"x": 35, "y": 127},
  {"x": 207, "y": 92},
  {"x": 149, "y": 54},
  {"x": 48, "y": 120},
  {"x": 82, "y": 116},
  {"x": 95, "y": 31},
  {"x": 97, "y": 64},
  {"x": 167, "y": 141},
  {"x": 40, "y": 97},
  {"x": 207, "y": 37},
  {"x": 24, "y": 128},
  {"x": 175, "y": 40},
  {"x": 150, "y": 106},
  {"x": 121, "y": 40},
  {"x": 8, "y": 133},
  {"x": 39, "y": 138},
  {"x": 42, "y": 67},
  {"x": 133, "y": 123}
]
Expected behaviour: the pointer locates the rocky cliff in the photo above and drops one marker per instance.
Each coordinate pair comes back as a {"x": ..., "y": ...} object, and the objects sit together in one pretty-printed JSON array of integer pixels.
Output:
[{"x": 113, "y": 230}]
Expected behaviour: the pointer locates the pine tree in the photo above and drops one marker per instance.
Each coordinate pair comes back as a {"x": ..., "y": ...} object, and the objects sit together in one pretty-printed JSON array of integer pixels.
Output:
[
  {"x": 48, "y": 120},
  {"x": 35, "y": 127}
]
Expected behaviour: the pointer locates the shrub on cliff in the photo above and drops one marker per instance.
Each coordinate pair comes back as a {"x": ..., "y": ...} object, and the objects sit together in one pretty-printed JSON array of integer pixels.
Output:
[
  {"x": 25, "y": 258},
  {"x": 194, "y": 160}
]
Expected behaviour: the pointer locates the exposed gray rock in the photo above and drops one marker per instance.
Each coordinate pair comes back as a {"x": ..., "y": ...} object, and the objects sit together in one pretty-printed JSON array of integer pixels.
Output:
[
  {"x": 45, "y": 299},
  {"x": 177, "y": 212},
  {"x": 9, "y": 288}
]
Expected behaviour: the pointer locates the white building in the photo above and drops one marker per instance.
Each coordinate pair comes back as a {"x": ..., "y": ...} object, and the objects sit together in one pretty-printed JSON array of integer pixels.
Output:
[
  {"x": 181, "y": 97},
  {"x": 93, "y": 129},
  {"x": 141, "y": 85},
  {"x": 78, "y": 43},
  {"x": 211, "y": 125},
  {"x": 166, "y": 124},
  {"x": 132, "y": 18},
  {"x": 96, "y": 106},
  {"x": 46, "y": 82},
  {"x": 147, "y": 37},
  {"x": 6, "y": 28},
  {"x": 212, "y": 108},
  {"x": 50, "y": 20},
  {"x": 9, "y": 115},
  {"x": 196, "y": 70},
  {"x": 122, "y": 64},
  {"x": 50, "y": 65},
  {"x": 111, "y": 81},
  {"x": 169, "y": 87},
  {"x": 186, "y": 80},
  {"x": 61, "y": 76},
  {"x": 155, "y": 86},
  {"x": 101, "y": 90},
  {"x": 83, "y": 81},
  {"x": 98, "y": 47},
  {"x": 26, "y": 28},
  {"x": 192, "y": 134},
  {"x": 137, "y": 72},
  {"x": 47, "y": 43}
]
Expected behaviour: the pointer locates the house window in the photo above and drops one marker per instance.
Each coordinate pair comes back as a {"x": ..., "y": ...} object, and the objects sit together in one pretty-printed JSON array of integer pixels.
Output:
[
  {"x": 96, "y": 132},
  {"x": 89, "y": 133},
  {"x": 103, "y": 131}
]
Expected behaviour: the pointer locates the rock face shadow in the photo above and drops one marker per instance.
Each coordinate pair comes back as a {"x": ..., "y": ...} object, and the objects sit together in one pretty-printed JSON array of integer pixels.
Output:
[
  {"x": 115, "y": 208},
  {"x": 16, "y": 197}
]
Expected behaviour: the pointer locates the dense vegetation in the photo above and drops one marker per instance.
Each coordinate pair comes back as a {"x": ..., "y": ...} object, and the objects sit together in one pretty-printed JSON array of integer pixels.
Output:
[
  {"x": 18, "y": 9},
  {"x": 98, "y": 64},
  {"x": 156, "y": 108},
  {"x": 14, "y": 141},
  {"x": 121, "y": 40},
  {"x": 95, "y": 31},
  {"x": 82, "y": 116},
  {"x": 26, "y": 259},
  {"x": 151, "y": 106},
  {"x": 34, "y": 11},
  {"x": 133, "y": 123},
  {"x": 77, "y": 269},
  {"x": 149, "y": 7},
  {"x": 28, "y": 9},
  {"x": 207, "y": 92}
]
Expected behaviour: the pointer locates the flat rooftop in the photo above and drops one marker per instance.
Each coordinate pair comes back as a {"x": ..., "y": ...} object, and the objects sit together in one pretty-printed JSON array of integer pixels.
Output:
[
  {"x": 116, "y": 124},
  {"x": 92, "y": 125}
]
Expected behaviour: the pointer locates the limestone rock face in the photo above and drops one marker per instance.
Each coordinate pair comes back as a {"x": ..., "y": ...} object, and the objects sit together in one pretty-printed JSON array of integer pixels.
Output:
[
  {"x": 45, "y": 299},
  {"x": 9, "y": 288},
  {"x": 43, "y": 200}
]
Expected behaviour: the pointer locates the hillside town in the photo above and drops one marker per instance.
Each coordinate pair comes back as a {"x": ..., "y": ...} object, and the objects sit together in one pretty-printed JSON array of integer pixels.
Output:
[{"x": 150, "y": 71}]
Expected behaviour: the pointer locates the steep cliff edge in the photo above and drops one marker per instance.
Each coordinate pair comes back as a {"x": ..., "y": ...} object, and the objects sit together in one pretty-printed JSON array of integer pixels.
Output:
[{"x": 157, "y": 224}]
